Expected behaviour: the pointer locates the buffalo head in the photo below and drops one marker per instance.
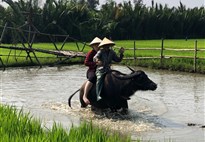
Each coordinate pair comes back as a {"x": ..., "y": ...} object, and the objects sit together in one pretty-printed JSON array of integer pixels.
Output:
[{"x": 138, "y": 80}]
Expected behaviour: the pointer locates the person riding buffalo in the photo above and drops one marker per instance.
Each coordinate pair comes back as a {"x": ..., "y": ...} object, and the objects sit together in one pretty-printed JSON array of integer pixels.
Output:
[
  {"x": 92, "y": 67},
  {"x": 103, "y": 60}
]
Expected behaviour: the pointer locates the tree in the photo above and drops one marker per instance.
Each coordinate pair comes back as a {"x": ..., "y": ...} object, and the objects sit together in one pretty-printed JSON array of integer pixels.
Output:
[{"x": 80, "y": 19}]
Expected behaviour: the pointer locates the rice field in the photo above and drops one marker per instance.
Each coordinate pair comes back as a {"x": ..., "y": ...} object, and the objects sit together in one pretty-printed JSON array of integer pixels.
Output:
[
  {"x": 16, "y": 126},
  {"x": 19, "y": 58}
]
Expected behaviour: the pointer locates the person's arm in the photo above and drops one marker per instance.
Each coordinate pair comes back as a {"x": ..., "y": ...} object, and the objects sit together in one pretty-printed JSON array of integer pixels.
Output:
[
  {"x": 97, "y": 58},
  {"x": 89, "y": 59},
  {"x": 115, "y": 57}
]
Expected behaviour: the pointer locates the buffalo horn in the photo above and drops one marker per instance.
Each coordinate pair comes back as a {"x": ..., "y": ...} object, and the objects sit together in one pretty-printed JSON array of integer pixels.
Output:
[{"x": 131, "y": 69}]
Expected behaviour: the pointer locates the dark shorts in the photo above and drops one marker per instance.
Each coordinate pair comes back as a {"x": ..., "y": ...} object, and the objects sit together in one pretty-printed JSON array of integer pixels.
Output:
[{"x": 91, "y": 76}]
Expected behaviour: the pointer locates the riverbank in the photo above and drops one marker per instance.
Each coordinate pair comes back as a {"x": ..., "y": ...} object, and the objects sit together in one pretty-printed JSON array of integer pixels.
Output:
[
  {"x": 179, "y": 57},
  {"x": 19, "y": 126}
]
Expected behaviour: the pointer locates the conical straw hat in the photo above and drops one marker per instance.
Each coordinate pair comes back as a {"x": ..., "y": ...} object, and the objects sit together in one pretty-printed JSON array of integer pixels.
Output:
[
  {"x": 96, "y": 40},
  {"x": 106, "y": 41}
]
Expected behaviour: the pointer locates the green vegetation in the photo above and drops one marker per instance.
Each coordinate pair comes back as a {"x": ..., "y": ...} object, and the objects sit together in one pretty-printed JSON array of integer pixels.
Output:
[
  {"x": 81, "y": 19},
  {"x": 17, "y": 127},
  {"x": 175, "y": 63},
  {"x": 18, "y": 58}
]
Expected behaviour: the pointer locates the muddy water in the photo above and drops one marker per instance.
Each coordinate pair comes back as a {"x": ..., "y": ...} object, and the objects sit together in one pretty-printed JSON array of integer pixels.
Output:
[{"x": 159, "y": 115}]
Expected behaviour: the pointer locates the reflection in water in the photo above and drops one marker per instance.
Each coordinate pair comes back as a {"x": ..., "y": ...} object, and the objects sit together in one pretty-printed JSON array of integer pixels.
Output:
[{"x": 154, "y": 115}]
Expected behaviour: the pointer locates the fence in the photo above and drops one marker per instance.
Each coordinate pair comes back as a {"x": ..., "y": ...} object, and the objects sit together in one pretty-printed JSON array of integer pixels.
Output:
[{"x": 163, "y": 56}]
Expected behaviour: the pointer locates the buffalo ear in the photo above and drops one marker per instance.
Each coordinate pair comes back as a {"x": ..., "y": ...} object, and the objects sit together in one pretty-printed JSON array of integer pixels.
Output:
[{"x": 131, "y": 69}]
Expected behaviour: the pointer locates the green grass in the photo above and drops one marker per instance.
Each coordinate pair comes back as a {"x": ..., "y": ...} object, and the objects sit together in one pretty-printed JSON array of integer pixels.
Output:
[
  {"x": 174, "y": 44},
  {"x": 19, "y": 58},
  {"x": 16, "y": 126},
  {"x": 180, "y": 64}
]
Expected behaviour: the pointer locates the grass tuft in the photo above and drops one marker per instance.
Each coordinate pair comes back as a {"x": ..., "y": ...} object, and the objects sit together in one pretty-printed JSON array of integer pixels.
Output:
[{"x": 15, "y": 126}]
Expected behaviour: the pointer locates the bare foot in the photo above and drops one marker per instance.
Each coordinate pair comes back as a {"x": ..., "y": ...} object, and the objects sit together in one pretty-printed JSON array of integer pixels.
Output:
[{"x": 86, "y": 100}]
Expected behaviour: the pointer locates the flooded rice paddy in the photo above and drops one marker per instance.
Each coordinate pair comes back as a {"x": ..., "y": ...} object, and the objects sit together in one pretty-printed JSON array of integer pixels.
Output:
[{"x": 174, "y": 112}]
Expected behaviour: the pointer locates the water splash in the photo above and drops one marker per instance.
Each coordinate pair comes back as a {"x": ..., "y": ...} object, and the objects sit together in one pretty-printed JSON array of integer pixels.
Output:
[{"x": 132, "y": 122}]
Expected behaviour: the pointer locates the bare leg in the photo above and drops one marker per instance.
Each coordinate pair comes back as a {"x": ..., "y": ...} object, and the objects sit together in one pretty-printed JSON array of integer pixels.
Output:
[{"x": 88, "y": 86}]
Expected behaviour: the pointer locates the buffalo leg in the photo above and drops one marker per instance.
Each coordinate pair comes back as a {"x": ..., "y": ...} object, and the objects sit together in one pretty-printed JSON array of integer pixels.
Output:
[
  {"x": 123, "y": 103},
  {"x": 100, "y": 104}
]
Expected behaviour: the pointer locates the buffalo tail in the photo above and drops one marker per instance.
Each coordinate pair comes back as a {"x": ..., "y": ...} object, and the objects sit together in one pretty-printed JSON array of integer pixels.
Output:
[{"x": 69, "y": 99}]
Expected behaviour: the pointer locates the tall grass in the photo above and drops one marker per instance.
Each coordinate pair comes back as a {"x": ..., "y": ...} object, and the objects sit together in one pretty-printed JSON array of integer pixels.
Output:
[{"x": 16, "y": 126}]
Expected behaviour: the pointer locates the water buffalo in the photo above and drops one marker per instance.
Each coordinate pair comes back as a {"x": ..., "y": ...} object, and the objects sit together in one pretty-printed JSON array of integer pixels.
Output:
[{"x": 117, "y": 89}]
